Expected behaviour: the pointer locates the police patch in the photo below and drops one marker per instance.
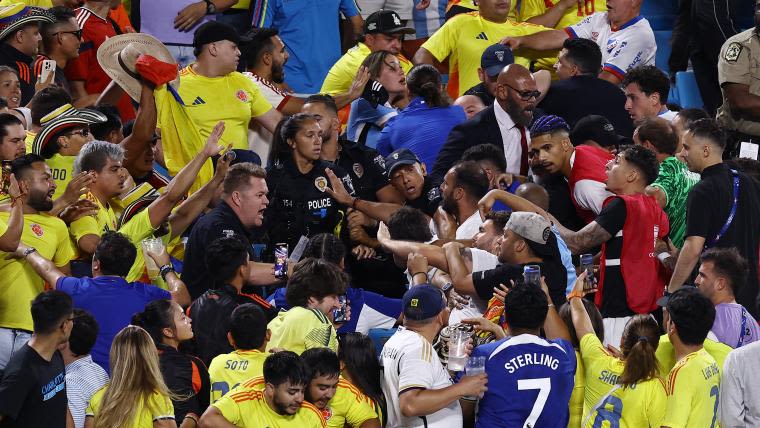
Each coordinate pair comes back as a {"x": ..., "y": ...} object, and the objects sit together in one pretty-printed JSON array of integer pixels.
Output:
[
  {"x": 358, "y": 169},
  {"x": 320, "y": 183},
  {"x": 732, "y": 52},
  {"x": 434, "y": 193},
  {"x": 379, "y": 161}
]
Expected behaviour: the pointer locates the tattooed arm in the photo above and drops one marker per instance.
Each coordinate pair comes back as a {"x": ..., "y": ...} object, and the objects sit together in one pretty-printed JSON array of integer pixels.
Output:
[{"x": 585, "y": 239}]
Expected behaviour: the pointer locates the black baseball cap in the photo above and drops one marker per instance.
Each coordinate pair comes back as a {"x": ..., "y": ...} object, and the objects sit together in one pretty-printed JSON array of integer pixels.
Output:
[
  {"x": 495, "y": 58},
  {"x": 385, "y": 22},
  {"x": 597, "y": 129},
  {"x": 214, "y": 31},
  {"x": 423, "y": 302},
  {"x": 399, "y": 158}
]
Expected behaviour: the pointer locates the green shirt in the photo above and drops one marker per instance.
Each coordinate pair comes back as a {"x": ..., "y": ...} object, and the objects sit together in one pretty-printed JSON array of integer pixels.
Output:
[{"x": 676, "y": 181}]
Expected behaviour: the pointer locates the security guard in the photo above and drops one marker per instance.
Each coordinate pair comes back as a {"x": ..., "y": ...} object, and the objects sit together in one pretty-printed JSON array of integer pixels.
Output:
[
  {"x": 299, "y": 205},
  {"x": 738, "y": 68}
]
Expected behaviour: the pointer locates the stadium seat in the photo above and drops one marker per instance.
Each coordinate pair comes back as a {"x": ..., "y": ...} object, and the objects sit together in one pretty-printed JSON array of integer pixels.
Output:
[
  {"x": 662, "y": 38},
  {"x": 688, "y": 91},
  {"x": 379, "y": 336},
  {"x": 673, "y": 95},
  {"x": 661, "y": 14}
]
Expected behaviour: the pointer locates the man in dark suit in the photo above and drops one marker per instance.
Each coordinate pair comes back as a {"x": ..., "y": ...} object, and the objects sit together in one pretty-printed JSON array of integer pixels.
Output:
[
  {"x": 579, "y": 92},
  {"x": 503, "y": 124}
]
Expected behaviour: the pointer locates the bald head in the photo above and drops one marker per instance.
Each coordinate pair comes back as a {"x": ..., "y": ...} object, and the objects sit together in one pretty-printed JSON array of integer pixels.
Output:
[
  {"x": 534, "y": 193},
  {"x": 471, "y": 104},
  {"x": 517, "y": 93}
]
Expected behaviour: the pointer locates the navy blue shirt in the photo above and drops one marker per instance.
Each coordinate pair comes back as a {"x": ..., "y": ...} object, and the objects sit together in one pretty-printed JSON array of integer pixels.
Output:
[
  {"x": 530, "y": 380},
  {"x": 421, "y": 129},
  {"x": 112, "y": 301}
]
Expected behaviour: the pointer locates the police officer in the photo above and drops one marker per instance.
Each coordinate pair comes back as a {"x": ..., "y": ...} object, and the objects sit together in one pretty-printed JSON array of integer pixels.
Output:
[
  {"x": 299, "y": 205},
  {"x": 738, "y": 68}
]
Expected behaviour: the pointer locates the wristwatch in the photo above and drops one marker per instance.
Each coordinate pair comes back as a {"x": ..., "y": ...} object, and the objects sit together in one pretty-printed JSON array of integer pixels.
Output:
[
  {"x": 210, "y": 7},
  {"x": 29, "y": 251},
  {"x": 447, "y": 286}
]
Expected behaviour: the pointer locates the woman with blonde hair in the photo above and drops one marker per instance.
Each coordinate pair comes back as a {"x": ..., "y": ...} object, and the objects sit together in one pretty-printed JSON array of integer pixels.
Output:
[{"x": 136, "y": 396}]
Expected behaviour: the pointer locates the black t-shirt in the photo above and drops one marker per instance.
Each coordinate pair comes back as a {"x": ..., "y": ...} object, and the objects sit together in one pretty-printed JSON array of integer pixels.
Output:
[
  {"x": 707, "y": 209},
  {"x": 560, "y": 204},
  {"x": 33, "y": 391},
  {"x": 485, "y": 281},
  {"x": 481, "y": 92},
  {"x": 220, "y": 222},
  {"x": 430, "y": 198},
  {"x": 187, "y": 377},
  {"x": 614, "y": 302},
  {"x": 365, "y": 166}
]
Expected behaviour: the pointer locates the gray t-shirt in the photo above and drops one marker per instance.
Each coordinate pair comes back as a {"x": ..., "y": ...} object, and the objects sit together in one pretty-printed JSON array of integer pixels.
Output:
[{"x": 739, "y": 390}]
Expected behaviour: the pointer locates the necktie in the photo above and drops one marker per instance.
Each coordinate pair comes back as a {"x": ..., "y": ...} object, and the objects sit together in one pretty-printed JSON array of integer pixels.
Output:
[{"x": 524, "y": 154}]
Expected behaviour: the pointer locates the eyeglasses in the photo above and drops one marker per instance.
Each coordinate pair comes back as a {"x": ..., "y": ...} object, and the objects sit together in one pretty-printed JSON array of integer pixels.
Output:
[
  {"x": 524, "y": 95},
  {"x": 77, "y": 33},
  {"x": 84, "y": 133}
]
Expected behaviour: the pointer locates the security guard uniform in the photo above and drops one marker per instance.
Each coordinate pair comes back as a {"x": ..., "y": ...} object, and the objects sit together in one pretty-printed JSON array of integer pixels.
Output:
[
  {"x": 365, "y": 166},
  {"x": 299, "y": 205}
]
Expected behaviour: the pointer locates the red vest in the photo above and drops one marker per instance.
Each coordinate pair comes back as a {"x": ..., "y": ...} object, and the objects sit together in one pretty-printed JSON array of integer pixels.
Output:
[
  {"x": 643, "y": 274},
  {"x": 590, "y": 164}
]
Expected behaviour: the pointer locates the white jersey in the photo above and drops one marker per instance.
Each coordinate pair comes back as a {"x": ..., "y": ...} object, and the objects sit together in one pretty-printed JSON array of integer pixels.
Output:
[
  {"x": 622, "y": 48},
  {"x": 259, "y": 138},
  {"x": 469, "y": 227},
  {"x": 410, "y": 362}
]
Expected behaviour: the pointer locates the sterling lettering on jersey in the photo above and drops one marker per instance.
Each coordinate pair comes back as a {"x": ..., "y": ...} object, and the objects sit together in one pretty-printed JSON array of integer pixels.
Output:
[{"x": 531, "y": 359}]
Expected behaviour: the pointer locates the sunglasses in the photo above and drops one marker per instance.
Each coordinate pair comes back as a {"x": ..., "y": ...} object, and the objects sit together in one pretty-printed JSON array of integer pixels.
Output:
[
  {"x": 525, "y": 95},
  {"x": 84, "y": 133},
  {"x": 77, "y": 33}
]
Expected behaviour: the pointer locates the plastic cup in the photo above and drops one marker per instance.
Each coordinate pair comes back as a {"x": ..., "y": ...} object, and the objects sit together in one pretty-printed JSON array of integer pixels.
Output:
[
  {"x": 474, "y": 367},
  {"x": 457, "y": 350},
  {"x": 155, "y": 246}
]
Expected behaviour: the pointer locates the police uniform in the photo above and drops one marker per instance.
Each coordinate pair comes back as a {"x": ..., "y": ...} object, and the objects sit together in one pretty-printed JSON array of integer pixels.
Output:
[
  {"x": 365, "y": 166},
  {"x": 739, "y": 62},
  {"x": 299, "y": 205},
  {"x": 430, "y": 198}
]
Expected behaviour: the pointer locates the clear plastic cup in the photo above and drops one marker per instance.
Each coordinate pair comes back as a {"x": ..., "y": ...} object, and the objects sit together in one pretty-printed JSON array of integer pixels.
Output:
[
  {"x": 474, "y": 367},
  {"x": 155, "y": 246},
  {"x": 457, "y": 349}
]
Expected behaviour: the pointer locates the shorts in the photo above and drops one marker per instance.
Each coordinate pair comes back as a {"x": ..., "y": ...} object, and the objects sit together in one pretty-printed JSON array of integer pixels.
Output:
[{"x": 402, "y": 7}]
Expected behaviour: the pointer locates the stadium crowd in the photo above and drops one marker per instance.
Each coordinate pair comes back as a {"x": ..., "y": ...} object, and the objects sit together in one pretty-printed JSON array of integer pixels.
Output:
[{"x": 378, "y": 213}]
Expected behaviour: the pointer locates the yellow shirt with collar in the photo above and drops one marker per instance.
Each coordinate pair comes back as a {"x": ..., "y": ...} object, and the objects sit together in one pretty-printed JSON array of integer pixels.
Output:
[{"x": 343, "y": 72}]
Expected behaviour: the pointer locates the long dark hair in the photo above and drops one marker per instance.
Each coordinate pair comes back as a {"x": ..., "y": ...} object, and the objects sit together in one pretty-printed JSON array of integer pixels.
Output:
[
  {"x": 357, "y": 352},
  {"x": 287, "y": 130},
  {"x": 425, "y": 81},
  {"x": 639, "y": 345},
  {"x": 156, "y": 316}
]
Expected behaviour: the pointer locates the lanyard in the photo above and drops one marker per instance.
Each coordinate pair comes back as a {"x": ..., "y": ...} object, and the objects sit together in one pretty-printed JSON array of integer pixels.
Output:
[
  {"x": 731, "y": 214},
  {"x": 743, "y": 329}
]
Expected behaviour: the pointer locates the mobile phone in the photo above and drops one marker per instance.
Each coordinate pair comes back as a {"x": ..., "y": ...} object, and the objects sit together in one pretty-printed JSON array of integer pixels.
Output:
[
  {"x": 280, "y": 260},
  {"x": 339, "y": 315},
  {"x": 587, "y": 265},
  {"x": 48, "y": 68},
  {"x": 6, "y": 177},
  {"x": 532, "y": 275}
]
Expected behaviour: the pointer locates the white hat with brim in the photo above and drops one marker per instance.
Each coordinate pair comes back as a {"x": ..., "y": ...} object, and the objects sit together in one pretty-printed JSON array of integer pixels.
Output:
[
  {"x": 61, "y": 119},
  {"x": 15, "y": 16},
  {"x": 118, "y": 56}
]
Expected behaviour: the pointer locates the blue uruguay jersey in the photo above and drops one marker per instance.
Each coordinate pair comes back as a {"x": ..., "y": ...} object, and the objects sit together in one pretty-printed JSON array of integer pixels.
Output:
[{"x": 530, "y": 380}]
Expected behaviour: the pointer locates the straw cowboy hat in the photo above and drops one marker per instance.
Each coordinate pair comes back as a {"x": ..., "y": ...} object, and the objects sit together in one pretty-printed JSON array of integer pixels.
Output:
[
  {"x": 16, "y": 15},
  {"x": 118, "y": 56},
  {"x": 61, "y": 119}
]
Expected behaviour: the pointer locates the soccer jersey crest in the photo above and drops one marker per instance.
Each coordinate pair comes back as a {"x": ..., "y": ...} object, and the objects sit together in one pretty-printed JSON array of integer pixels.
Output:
[
  {"x": 242, "y": 95},
  {"x": 37, "y": 230}
]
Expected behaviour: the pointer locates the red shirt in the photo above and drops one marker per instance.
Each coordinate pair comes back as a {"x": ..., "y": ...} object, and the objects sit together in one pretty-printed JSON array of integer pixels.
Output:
[{"x": 95, "y": 30}]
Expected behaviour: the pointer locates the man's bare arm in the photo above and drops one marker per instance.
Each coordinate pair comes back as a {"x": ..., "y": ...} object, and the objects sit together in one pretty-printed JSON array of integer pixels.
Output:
[
  {"x": 687, "y": 259},
  {"x": 744, "y": 105},
  {"x": 591, "y": 236},
  {"x": 552, "y": 16}
]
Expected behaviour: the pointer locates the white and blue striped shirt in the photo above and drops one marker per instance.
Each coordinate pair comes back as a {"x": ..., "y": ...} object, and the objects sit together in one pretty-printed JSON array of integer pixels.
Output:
[{"x": 83, "y": 379}]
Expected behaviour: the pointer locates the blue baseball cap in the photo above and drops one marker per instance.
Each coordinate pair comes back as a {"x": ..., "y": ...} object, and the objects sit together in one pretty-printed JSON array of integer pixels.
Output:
[
  {"x": 399, "y": 158},
  {"x": 495, "y": 58},
  {"x": 422, "y": 302}
]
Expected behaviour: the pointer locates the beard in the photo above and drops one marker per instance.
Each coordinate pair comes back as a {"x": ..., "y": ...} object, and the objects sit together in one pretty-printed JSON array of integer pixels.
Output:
[
  {"x": 39, "y": 201},
  {"x": 518, "y": 114},
  {"x": 449, "y": 205},
  {"x": 278, "y": 73}
]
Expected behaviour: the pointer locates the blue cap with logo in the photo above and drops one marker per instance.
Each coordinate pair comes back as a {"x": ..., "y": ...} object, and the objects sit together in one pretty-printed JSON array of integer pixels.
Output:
[
  {"x": 495, "y": 58},
  {"x": 399, "y": 158},
  {"x": 422, "y": 302}
]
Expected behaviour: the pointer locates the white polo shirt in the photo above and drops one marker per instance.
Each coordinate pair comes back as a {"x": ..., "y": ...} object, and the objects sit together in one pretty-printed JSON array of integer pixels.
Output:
[{"x": 623, "y": 48}]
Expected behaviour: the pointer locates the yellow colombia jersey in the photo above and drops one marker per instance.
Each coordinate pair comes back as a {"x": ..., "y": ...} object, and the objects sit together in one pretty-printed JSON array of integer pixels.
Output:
[
  {"x": 299, "y": 329},
  {"x": 62, "y": 168},
  {"x": 343, "y": 72},
  {"x": 576, "y": 398},
  {"x": 136, "y": 229},
  {"x": 463, "y": 38},
  {"x": 158, "y": 407},
  {"x": 693, "y": 392},
  {"x": 470, "y": 4},
  {"x": 640, "y": 405},
  {"x": 666, "y": 356},
  {"x": 103, "y": 221},
  {"x": 50, "y": 237},
  {"x": 246, "y": 407},
  {"x": 226, "y": 371},
  {"x": 573, "y": 15},
  {"x": 203, "y": 97},
  {"x": 349, "y": 407}
]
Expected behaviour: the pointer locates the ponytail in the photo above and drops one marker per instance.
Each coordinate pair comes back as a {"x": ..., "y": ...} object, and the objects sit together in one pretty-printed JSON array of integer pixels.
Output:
[
  {"x": 156, "y": 316},
  {"x": 425, "y": 81},
  {"x": 639, "y": 345}
]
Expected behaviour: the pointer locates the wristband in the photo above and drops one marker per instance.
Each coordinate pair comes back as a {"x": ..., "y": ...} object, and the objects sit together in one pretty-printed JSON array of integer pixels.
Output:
[
  {"x": 354, "y": 202},
  {"x": 165, "y": 269},
  {"x": 664, "y": 256},
  {"x": 423, "y": 273},
  {"x": 29, "y": 251},
  {"x": 573, "y": 295}
]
